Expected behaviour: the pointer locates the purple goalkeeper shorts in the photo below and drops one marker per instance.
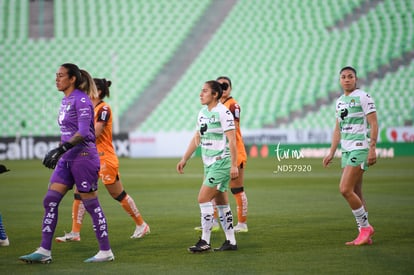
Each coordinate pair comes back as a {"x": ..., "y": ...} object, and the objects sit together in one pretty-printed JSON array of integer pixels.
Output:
[{"x": 82, "y": 172}]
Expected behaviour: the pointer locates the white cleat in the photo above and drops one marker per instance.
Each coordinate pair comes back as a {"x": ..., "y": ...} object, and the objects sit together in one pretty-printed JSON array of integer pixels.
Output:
[
  {"x": 141, "y": 231},
  {"x": 68, "y": 237},
  {"x": 101, "y": 256},
  {"x": 241, "y": 228},
  {"x": 5, "y": 242}
]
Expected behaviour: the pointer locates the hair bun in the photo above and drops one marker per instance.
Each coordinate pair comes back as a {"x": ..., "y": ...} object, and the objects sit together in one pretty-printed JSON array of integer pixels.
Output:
[{"x": 224, "y": 86}]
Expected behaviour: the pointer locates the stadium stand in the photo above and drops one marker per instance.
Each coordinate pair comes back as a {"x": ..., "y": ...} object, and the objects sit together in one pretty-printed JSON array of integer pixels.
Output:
[
  {"x": 286, "y": 60},
  {"x": 282, "y": 56},
  {"x": 392, "y": 93},
  {"x": 125, "y": 41}
]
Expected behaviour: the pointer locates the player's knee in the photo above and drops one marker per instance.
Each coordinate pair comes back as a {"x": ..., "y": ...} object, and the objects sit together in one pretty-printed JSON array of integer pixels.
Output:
[
  {"x": 52, "y": 199},
  {"x": 237, "y": 190},
  {"x": 345, "y": 191},
  {"x": 121, "y": 196}
]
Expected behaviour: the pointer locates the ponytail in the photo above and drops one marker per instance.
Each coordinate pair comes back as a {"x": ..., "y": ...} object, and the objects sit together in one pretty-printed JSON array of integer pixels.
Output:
[
  {"x": 103, "y": 85},
  {"x": 88, "y": 85}
]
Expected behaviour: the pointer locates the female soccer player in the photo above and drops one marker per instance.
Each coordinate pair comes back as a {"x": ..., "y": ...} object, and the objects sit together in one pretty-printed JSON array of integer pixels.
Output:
[
  {"x": 216, "y": 135},
  {"x": 109, "y": 172},
  {"x": 236, "y": 185},
  {"x": 75, "y": 162},
  {"x": 357, "y": 129}
]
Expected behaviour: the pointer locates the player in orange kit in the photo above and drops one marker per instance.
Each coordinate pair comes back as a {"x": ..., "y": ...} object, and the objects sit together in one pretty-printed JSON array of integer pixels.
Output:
[{"x": 236, "y": 185}]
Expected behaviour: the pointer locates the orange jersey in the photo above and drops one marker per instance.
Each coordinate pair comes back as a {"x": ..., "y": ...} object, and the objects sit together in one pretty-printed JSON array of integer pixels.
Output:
[
  {"x": 104, "y": 144},
  {"x": 234, "y": 108}
]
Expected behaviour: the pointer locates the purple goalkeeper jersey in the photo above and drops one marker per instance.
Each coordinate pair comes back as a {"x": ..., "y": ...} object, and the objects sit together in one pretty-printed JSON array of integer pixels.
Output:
[{"x": 76, "y": 115}]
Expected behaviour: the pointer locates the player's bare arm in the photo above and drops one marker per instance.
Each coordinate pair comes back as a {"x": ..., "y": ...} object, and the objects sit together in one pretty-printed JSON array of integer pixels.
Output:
[
  {"x": 373, "y": 123},
  {"x": 192, "y": 146},
  {"x": 231, "y": 136},
  {"x": 336, "y": 138}
]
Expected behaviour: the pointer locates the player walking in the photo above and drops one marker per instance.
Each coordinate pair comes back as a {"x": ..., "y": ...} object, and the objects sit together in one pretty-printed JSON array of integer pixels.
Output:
[
  {"x": 217, "y": 137},
  {"x": 236, "y": 185},
  {"x": 77, "y": 163},
  {"x": 355, "y": 115},
  {"x": 109, "y": 172}
]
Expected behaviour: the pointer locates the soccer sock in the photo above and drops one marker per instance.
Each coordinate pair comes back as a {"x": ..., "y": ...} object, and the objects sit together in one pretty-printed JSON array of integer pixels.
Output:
[
  {"x": 99, "y": 222},
  {"x": 43, "y": 251},
  {"x": 226, "y": 220},
  {"x": 3, "y": 234},
  {"x": 242, "y": 203},
  {"x": 207, "y": 213},
  {"x": 358, "y": 226},
  {"x": 50, "y": 203},
  {"x": 215, "y": 215},
  {"x": 361, "y": 217},
  {"x": 78, "y": 212},
  {"x": 129, "y": 206}
]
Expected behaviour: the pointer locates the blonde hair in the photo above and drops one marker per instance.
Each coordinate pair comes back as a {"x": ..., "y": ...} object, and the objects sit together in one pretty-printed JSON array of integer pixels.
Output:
[{"x": 88, "y": 85}]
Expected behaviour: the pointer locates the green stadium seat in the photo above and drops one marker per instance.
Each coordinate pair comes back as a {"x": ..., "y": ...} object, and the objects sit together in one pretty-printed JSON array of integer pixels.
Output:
[{"x": 279, "y": 62}]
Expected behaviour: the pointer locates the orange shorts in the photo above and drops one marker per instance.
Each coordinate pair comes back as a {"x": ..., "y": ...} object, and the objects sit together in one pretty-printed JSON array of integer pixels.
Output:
[
  {"x": 109, "y": 172},
  {"x": 242, "y": 164}
]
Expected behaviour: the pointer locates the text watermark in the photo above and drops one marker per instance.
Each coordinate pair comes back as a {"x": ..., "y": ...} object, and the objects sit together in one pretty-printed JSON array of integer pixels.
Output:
[{"x": 290, "y": 154}]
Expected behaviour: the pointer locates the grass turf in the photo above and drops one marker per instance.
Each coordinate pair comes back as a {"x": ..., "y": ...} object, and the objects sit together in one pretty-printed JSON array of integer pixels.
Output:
[{"x": 298, "y": 221}]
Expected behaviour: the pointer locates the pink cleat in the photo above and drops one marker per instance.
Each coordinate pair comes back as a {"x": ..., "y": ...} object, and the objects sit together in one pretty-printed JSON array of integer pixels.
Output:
[
  {"x": 353, "y": 242},
  {"x": 364, "y": 236}
]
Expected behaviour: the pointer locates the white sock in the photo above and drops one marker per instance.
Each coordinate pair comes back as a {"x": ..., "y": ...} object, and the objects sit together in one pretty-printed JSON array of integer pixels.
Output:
[
  {"x": 361, "y": 217},
  {"x": 358, "y": 226},
  {"x": 43, "y": 251},
  {"x": 207, "y": 216},
  {"x": 226, "y": 220},
  {"x": 104, "y": 253}
]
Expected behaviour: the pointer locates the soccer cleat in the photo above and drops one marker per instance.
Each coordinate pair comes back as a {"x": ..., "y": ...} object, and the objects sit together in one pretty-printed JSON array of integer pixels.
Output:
[
  {"x": 370, "y": 241},
  {"x": 141, "y": 231},
  {"x": 4, "y": 242},
  {"x": 364, "y": 236},
  {"x": 68, "y": 237},
  {"x": 226, "y": 246},
  {"x": 215, "y": 228},
  {"x": 200, "y": 246},
  {"x": 241, "y": 228},
  {"x": 36, "y": 257},
  {"x": 101, "y": 256}
]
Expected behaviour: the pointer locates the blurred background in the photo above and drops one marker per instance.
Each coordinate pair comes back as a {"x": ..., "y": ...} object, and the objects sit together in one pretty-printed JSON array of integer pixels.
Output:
[{"x": 283, "y": 58}]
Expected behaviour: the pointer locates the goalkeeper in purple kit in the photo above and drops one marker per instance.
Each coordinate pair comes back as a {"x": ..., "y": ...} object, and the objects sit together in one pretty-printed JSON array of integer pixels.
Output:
[{"x": 75, "y": 162}]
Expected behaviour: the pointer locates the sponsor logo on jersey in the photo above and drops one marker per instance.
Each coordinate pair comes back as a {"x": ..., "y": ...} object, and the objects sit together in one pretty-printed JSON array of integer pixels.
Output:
[
  {"x": 343, "y": 113},
  {"x": 203, "y": 128},
  {"x": 84, "y": 184}
]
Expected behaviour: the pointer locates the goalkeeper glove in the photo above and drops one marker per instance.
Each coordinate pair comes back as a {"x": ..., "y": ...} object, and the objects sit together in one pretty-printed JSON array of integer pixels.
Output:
[{"x": 52, "y": 157}]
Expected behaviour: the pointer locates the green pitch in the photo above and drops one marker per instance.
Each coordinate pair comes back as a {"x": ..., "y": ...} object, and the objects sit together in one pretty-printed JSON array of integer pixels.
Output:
[{"x": 298, "y": 221}]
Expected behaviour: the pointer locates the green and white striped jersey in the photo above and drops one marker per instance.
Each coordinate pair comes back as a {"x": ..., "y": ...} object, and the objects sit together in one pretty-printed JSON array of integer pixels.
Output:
[
  {"x": 351, "y": 112},
  {"x": 212, "y": 126}
]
